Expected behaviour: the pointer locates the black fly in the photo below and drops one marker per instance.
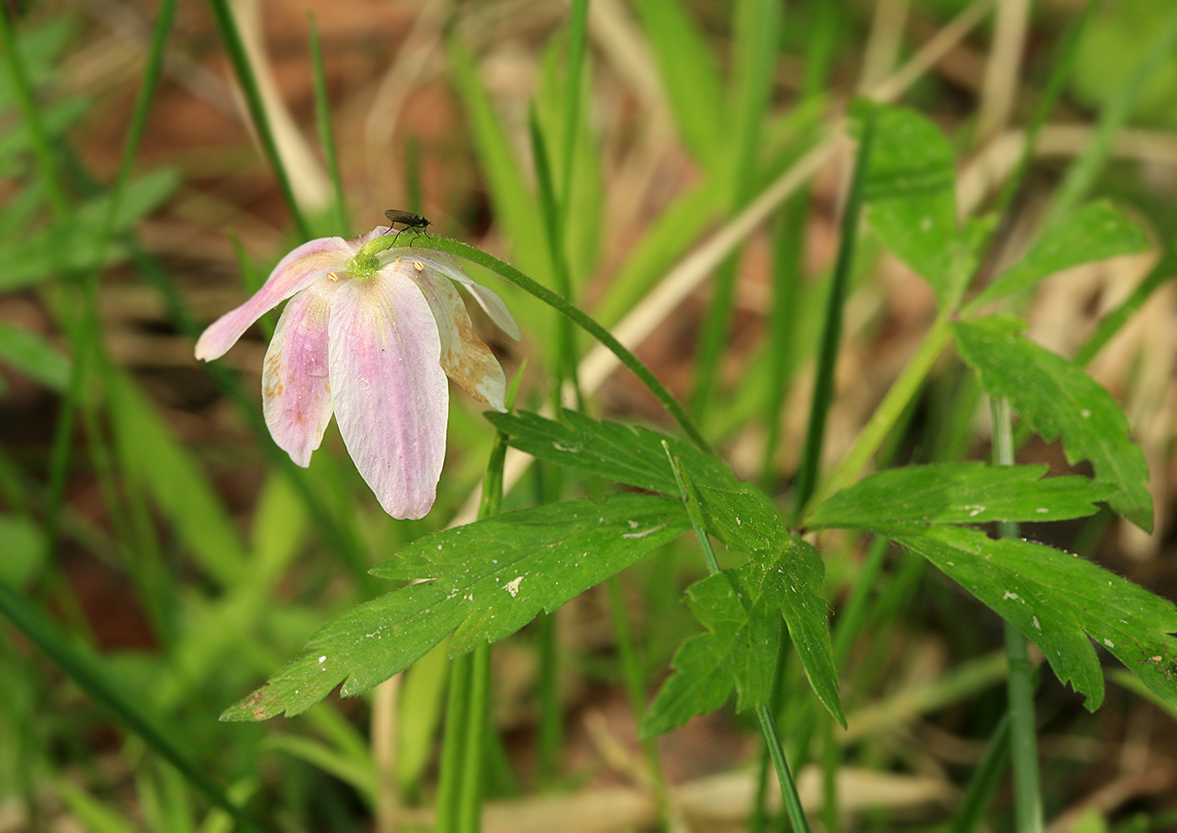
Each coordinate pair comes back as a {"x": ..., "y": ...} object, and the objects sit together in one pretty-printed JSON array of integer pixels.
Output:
[{"x": 407, "y": 219}]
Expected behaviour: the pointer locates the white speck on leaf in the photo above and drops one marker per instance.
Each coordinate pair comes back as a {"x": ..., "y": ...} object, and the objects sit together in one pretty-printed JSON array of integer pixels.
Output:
[
  {"x": 1036, "y": 623},
  {"x": 322, "y": 659},
  {"x": 1109, "y": 643},
  {"x": 1008, "y": 595},
  {"x": 644, "y": 532},
  {"x": 512, "y": 586}
]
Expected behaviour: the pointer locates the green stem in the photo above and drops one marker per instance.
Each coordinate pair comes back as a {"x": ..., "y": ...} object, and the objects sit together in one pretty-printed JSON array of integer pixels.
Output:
[
  {"x": 475, "y": 751},
  {"x": 823, "y": 392},
  {"x": 635, "y": 688},
  {"x": 457, "y": 718},
  {"x": 552, "y": 299},
  {"x": 1020, "y": 684},
  {"x": 550, "y": 717},
  {"x": 984, "y": 782},
  {"x": 789, "y": 794},
  {"x": 890, "y": 410},
  {"x": 464, "y": 751}
]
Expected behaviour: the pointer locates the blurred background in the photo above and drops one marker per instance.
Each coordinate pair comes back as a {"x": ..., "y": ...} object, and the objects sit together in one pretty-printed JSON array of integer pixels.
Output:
[{"x": 154, "y": 531}]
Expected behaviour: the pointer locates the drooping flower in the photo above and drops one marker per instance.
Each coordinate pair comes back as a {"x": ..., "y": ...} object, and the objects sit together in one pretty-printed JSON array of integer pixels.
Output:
[{"x": 370, "y": 334}]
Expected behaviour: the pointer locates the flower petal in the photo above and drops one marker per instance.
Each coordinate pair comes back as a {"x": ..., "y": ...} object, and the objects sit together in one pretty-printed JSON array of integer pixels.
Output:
[
  {"x": 296, "y": 271},
  {"x": 487, "y": 298},
  {"x": 388, "y": 389},
  {"x": 296, "y": 396},
  {"x": 464, "y": 356}
]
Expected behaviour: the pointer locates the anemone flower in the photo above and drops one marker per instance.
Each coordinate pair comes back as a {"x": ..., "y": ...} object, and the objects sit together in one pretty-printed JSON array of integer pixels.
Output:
[{"x": 370, "y": 334}]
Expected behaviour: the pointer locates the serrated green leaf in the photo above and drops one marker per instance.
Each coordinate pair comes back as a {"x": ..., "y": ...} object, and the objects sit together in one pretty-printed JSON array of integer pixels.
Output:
[
  {"x": 793, "y": 583},
  {"x": 483, "y": 582},
  {"x": 737, "y": 513},
  {"x": 739, "y": 650},
  {"x": 1058, "y": 600},
  {"x": 957, "y": 493},
  {"x": 911, "y": 196},
  {"x": 1058, "y": 399},
  {"x": 1095, "y": 232}
]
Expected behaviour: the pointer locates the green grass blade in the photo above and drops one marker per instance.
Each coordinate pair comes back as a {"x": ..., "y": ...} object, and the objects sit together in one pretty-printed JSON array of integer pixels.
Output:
[
  {"x": 326, "y": 132},
  {"x": 757, "y": 25},
  {"x": 239, "y": 58},
  {"x": 823, "y": 392},
  {"x": 1083, "y": 172},
  {"x": 690, "y": 77},
  {"x": 18, "y": 79},
  {"x": 91, "y": 677}
]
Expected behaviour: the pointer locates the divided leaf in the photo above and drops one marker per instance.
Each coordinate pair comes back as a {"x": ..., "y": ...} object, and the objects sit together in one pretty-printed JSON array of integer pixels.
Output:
[
  {"x": 739, "y": 650},
  {"x": 1058, "y": 600},
  {"x": 793, "y": 583},
  {"x": 1095, "y": 232},
  {"x": 737, "y": 513},
  {"x": 911, "y": 192},
  {"x": 484, "y": 581},
  {"x": 957, "y": 493},
  {"x": 1058, "y": 399}
]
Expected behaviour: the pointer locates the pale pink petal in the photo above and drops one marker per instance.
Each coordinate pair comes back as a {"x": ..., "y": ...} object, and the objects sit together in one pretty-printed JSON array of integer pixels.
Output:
[
  {"x": 388, "y": 390},
  {"x": 464, "y": 357},
  {"x": 296, "y": 396},
  {"x": 488, "y": 299},
  {"x": 309, "y": 262}
]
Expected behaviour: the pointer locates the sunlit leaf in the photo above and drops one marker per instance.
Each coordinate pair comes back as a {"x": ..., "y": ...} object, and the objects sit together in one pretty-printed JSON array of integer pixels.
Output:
[
  {"x": 481, "y": 582},
  {"x": 1058, "y": 601},
  {"x": 1058, "y": 399},
  {"x": 957, "y": 493}
]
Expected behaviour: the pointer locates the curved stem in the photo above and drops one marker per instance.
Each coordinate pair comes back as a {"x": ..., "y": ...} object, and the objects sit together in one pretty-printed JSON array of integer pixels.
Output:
[{"x": 573, "y": 313}]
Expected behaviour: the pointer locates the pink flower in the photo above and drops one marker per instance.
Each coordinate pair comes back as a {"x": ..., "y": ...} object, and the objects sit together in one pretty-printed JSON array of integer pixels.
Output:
[{"x": 369, "y": 336}]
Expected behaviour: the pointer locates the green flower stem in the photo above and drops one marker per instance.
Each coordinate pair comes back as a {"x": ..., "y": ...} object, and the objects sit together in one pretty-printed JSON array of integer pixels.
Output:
[
  {"x": 513, "y": 275},
  {"x": 1024, "y": 739},
  {"x": 789, "y": 795}
]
